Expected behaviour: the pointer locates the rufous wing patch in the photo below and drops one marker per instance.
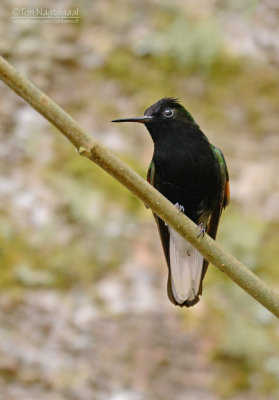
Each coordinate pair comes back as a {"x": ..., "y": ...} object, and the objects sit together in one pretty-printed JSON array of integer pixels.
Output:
[{"x": 227, "y": 194}]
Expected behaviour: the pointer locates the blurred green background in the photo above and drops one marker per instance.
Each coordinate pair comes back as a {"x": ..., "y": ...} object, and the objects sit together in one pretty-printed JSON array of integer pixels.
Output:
[{"x": 83, "y": 305}]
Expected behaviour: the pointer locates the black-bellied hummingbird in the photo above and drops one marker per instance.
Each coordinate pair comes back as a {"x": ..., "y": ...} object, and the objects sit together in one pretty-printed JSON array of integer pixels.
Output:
[{"x": 192, "y": 173}]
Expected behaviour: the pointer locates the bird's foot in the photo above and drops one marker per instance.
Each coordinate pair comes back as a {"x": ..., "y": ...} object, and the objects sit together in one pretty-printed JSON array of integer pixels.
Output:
[
  {"x": 202, "y": 230},
  {"x": 180, "y": 210},
  {"x": 179, "y": 207}
]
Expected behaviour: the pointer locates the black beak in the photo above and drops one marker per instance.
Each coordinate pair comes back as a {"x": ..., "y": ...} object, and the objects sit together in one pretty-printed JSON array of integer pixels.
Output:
[{"x": 142, "y": 120}]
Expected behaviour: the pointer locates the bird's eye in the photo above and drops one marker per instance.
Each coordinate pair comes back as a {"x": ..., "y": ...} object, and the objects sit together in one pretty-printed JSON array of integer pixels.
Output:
[{"x": 168, "y": 112}]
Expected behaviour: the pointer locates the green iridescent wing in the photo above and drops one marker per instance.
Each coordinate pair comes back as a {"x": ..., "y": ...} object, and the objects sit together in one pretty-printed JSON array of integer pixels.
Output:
[
  {"x": 225, "y": 198},
  {"x": 225, "y": 192}
]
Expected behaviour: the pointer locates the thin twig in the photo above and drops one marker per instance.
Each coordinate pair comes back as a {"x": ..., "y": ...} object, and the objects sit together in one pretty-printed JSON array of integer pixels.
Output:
[{"x": 95, "y": 151}]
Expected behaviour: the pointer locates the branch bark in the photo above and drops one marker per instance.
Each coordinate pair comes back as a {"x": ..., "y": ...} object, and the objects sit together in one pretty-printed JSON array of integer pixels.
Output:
[{"x": 98, "y": 153}]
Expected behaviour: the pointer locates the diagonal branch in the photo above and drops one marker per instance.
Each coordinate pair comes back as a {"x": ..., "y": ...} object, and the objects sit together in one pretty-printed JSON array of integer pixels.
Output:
[{"x": 95, "y": 151}]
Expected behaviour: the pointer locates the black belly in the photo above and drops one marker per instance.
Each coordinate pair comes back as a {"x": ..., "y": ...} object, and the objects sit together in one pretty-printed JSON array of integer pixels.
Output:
[
  {"x": 197, "y": 192},
  {"x": 187, "y": 173}
]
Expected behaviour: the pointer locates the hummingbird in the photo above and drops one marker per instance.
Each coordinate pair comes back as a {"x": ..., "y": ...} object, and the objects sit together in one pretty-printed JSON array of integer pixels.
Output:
[{"x": 192, "y": 173}]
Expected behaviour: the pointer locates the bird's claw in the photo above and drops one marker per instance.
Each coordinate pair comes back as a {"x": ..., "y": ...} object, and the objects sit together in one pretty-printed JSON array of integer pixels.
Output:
[
  {"x": 180, "y": 210},
  {"x": 202, "y": 230},
  {"x": 179, "y": 207}
]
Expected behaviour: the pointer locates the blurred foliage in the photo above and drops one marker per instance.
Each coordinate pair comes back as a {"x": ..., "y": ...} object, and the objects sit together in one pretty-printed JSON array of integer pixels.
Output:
[{"x": 191, "y": 51}]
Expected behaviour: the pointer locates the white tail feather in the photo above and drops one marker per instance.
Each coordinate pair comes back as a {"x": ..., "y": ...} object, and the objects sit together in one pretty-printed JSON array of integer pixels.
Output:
[{"x": 186, "y": 268}]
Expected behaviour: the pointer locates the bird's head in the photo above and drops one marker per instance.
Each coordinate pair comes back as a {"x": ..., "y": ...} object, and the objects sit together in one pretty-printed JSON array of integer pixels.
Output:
[{"x": 164, "y": 115}]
